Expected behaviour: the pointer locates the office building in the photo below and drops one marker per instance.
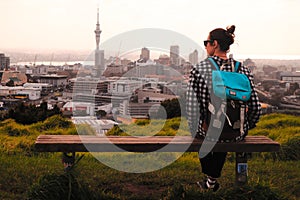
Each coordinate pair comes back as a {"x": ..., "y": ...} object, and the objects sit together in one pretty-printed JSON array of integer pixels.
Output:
[
  {"x": 174, "y": 55},
  {"x": 4, "y": 62},
  {"x": 145, "y": 54},
  {"x": 193, "y": 57}
]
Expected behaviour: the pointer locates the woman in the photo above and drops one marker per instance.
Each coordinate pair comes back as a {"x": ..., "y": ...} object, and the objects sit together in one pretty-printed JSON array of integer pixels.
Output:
[{"x": 217, "y": 46}]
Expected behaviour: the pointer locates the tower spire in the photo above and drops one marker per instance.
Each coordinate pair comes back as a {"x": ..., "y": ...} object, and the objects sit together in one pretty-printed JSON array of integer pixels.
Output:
[
  {"x": 97, "y": 31},
  {"x": 98, "y": 15},
  {"x": 99, "y": 54}
]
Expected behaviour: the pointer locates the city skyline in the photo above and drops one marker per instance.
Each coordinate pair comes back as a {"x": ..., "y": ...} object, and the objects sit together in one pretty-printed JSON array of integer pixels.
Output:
[{"x": 262, "y": 28}]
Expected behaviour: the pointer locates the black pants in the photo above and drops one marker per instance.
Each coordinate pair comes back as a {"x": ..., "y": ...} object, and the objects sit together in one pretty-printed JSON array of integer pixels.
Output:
[{"x": 212, "y": 164}]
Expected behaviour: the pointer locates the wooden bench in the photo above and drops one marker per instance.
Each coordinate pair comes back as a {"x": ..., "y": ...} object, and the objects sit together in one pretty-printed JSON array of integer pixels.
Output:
[{"x": 76, "y": 143}]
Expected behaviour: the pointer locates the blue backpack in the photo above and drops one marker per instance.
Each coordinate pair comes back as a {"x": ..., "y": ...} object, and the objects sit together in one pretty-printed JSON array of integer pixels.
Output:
[
  {"x": 228, "y": 110},
  {"x": 230, "y": 85}
]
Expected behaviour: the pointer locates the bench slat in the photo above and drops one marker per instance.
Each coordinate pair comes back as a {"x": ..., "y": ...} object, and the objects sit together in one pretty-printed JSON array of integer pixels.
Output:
[{"x": 79, "y": 143}]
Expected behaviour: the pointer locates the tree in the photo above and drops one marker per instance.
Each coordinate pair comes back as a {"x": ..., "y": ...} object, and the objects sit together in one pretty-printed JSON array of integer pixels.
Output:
[
  {"x": 10, "y": 83},
  {"x": 172, "y": 108},
  {"x": 101, "y": 113},
  {"x": 31, "y": 114}
]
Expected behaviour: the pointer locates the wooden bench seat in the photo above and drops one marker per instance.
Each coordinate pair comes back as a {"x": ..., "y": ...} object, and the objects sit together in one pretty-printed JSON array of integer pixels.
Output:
[{"x": 76, "y": 143}]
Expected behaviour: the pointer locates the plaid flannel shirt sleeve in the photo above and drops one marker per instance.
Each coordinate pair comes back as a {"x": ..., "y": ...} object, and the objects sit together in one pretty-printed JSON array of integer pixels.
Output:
[{"x": 197, "y": 97}]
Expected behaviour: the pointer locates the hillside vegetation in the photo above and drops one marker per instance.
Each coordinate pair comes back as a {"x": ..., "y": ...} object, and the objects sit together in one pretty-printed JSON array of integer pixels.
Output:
[
  {"x": 26, "y": 174},
  {"x": 284, "y": 129}
]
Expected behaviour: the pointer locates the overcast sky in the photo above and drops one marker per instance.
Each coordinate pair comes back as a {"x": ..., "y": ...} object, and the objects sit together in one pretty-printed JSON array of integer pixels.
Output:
[{"x": 263, "y": 27}]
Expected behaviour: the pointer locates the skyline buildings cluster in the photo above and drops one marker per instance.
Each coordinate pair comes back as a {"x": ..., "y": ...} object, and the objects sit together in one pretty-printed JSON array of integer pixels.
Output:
[{"x": 173, "y": 60}]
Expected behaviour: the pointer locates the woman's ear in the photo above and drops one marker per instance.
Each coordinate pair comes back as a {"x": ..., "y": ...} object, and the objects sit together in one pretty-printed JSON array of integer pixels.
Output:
[{"x": 215, "y": 44}]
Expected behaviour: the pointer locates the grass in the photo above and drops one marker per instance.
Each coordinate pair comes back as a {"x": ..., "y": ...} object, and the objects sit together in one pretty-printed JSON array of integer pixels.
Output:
[
  {"x": 279, "y": 127},
  {"x": 169, "y": 127},
  {"x": 20, "y": 173},
  {"x": 25, "y": 172}
]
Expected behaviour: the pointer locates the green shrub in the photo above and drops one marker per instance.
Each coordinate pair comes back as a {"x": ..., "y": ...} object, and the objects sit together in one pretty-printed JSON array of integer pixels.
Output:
[
  {"x": 16, "y": 131},
  {"x": 175, "y": 125},
  {"x": 115, "y": 131},
  {"x": 55, "y": 121},
  {"x": 142, "y": 122}
]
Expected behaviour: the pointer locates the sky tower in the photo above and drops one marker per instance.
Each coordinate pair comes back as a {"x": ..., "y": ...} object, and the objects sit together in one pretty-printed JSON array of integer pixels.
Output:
[{"x": 99, "y": 54}]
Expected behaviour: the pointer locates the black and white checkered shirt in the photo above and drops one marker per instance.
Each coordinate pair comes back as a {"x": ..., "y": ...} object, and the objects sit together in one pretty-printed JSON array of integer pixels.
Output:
[{"x": 198, "y": 95}]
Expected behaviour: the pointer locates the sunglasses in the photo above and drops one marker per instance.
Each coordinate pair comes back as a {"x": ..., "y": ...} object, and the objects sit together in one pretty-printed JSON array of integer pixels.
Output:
[{"x": 205, "y": 42}]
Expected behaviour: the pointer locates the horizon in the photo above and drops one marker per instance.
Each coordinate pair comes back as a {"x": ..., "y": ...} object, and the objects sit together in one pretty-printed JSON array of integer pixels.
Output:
[{"x": 86, "y": 53}]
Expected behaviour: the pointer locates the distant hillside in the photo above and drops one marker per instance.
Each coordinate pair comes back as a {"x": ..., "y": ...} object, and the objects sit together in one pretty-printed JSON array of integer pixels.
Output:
[
  {"x": 31, "y": 56},
  {"x": 276, "y": 63}
]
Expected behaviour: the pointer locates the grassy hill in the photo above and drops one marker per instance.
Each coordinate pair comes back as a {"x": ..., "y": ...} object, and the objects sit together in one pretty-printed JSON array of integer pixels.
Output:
[{"x": 26, "y": 174}]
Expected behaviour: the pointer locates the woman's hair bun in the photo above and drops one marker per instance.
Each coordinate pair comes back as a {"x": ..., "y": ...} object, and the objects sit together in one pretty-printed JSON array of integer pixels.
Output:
[{"x": 230, "y": 30}]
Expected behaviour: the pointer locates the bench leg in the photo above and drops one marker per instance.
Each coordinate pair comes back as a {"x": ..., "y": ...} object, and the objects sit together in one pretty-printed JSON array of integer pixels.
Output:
[
  {"x": 241, "y": 169},
  {"x": 68, "y": 160}
]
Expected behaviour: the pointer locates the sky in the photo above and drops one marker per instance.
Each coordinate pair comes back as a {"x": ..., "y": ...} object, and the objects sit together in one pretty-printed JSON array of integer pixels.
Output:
[{"x": 263, "y": 27}]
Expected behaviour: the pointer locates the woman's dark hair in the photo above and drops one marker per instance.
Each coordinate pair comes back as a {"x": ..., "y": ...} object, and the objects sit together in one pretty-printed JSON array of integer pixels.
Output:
[{"x": 224, "y": 37}]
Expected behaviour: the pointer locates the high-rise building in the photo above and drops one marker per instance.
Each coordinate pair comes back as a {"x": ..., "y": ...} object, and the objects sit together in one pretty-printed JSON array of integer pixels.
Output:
[
  {"x": 145, "y": 54},
  {"x": 193, "y": 57},
  {"x": 174, "y": 55},
  {"x": 99, "y": 54},
  {"x": 4, "y": 62}
]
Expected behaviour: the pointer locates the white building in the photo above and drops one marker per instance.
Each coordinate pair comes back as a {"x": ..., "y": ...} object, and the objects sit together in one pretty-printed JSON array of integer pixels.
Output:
[
  {"x": 124, "y": 87},
  {"x": 32, "y": 93},
  {"x": 54, "y": 79},
  {"x": 39, "y": 86},
  {"x": 84, "y": 85},
  {"x": 79, "y": 107},
  {"x": 99, "y": 126},
  {"x": 290, "y": 76},
  {"x": 143, "y": 62},
  {"x": 138, "y": 109},
  {"x": 153, "y": 97},
  {"x": 39, "y": 70},
  {"x": 20, "y": 91}
]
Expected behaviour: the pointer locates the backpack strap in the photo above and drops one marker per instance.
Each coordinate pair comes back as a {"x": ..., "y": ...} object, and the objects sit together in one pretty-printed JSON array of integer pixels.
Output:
[
  {"x": 237, "y": 66},
  {"x": 213, "y": 62},
  {"x": 216, "y": 66},
  {"x": 212, "y": 110}
]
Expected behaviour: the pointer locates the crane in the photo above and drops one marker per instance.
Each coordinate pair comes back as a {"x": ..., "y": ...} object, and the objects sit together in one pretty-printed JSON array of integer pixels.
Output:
[
  {"x": 118, "y": 54},
  {"x": 35, "y": 57}
]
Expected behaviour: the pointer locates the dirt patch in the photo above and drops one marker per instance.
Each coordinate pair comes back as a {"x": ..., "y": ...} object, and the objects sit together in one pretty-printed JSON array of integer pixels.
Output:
[{"x": 144, "y": 190}]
